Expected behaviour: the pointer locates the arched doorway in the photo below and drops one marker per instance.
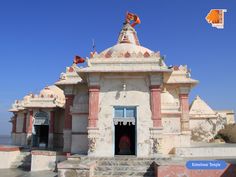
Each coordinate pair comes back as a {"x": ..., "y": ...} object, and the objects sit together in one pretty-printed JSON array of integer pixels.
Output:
[{"x": 41, "y": 130}]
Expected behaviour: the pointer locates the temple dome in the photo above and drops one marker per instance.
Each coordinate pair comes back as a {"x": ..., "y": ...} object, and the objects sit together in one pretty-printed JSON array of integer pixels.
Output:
[
  {"x": 52, "y": 91},
  {"x": 123, "y": 48}
]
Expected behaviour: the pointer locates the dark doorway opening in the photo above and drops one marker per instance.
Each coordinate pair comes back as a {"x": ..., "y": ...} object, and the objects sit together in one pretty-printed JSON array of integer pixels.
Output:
[
  {"x": 40, "y": 138},
  {"x": 125, "y": 139}
]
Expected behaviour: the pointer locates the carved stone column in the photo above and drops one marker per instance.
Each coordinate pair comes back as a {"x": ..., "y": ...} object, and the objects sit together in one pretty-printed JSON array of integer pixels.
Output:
[
  {"x": 155, "y": 99},
  {"x": 14, "y": 121},
  {"x": 24, "y": 122},
  {"x": 93, "y": 129},
  {"x": 184, "y": 108},
  {"x": 24, "y": 134},
  {"x": 69, "y": 94},
  {"x": 93, "y": 105},
  {"x": 68, "y": 123},
  {"x": 155, "y": 92},
  {"x": 13, "y": 130},
  {"x": 51, "y": 129},
  {"x": 30, "y": 128}
]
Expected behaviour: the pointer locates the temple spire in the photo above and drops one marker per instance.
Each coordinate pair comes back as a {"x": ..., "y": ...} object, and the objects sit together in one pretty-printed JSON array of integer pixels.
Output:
[{"x": 128, "y": 33}]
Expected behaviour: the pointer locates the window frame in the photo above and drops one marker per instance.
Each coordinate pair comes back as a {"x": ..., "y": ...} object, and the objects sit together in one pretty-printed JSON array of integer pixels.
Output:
[{"x": 124, "y": 108}]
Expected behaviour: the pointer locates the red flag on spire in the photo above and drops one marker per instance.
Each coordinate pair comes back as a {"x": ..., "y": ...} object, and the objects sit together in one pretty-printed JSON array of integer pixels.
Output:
[
  {"x": 78, "y": 60},
  {"x": 132, "y": 17}
]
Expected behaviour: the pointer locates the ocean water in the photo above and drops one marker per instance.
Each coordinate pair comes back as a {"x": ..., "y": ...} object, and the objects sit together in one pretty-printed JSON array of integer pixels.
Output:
[{"x": 5, "y": 139}]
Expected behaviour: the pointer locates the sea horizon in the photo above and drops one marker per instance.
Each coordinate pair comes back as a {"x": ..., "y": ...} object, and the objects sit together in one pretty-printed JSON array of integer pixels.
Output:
[{"x": 5, "y": 139}]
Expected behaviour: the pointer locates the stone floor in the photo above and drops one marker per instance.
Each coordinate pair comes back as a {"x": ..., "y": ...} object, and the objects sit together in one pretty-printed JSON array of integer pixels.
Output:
[{"x": 21, "y": 173}]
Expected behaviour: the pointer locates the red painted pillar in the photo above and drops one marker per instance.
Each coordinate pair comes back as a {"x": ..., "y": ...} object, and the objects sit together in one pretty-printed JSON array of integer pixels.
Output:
[
  {"x": 93, "y": 105},
  {"x": 24, "y": 122},
  {"x": 68, "y": 116},
  {"x": 14, "y": 124},
  {"x": 184, "y": 107},
  {"x": 155, "y": 91},
  {"x": 52, "y": 120},
  {"x": 30, "y": 126}
]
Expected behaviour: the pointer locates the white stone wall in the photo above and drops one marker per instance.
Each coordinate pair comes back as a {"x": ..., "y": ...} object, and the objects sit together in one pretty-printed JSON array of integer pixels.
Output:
[
  {"x": 171, "y": 141},
  {"x": 43, "y": 162},
  {"x": 18, "y": 139},
  {"x": 112, "y": 94},
  {"x": 171, "y": 133},
  {"x": 19, "y": 122},
  {"x": 8, "y": 158},
  {"x": 171, "y": 125},
  {"x": 79, "y": 112},
  {"x": 79, "y": 134}
]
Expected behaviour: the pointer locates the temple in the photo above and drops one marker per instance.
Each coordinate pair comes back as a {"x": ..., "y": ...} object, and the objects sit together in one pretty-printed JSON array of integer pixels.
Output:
[{"x": 125, "y": 100}]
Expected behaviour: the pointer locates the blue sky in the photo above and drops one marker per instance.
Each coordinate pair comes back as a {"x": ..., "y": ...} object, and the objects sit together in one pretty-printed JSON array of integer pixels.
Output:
[{"x": 38, "y": 39}]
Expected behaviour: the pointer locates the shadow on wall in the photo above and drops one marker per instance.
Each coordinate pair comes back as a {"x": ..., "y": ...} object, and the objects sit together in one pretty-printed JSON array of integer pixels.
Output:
[{"x": 228, "y": 133}]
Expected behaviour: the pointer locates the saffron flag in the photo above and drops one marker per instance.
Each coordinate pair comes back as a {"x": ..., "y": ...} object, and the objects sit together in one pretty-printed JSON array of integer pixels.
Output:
[
  {"x": 78, "y": 60},
  {"x": 132, "y": 17},
  {"x": 216, "y": 18}
]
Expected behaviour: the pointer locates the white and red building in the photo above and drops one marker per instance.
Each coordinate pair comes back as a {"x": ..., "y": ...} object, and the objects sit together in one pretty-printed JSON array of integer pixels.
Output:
[{"x": 125, "y": 101}]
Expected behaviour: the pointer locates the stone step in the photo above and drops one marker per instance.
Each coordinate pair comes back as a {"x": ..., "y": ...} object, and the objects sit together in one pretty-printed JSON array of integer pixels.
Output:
[
  {"x": 123, "y": 163},
  {"x": 124, "y": 168},
  {"x": 134, "y": 158},
  {"x": 124, "y": 173}
]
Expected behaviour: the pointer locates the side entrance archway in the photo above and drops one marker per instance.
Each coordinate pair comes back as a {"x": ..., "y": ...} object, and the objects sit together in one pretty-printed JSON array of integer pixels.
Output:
[{"x": 41, "y": 130}]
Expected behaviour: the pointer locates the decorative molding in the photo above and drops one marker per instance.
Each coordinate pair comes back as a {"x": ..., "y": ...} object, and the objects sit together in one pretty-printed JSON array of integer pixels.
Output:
[
  {"x": 69, "y": 90},
  {"x": 156, "y": 79},
  {"x": 94, "y": 79},
  {"x": 184, "y": 90},
  {"x": 124, "y": 121},
  {"x": 177, "y": 115},
  {"x": 123, "y": 77}
]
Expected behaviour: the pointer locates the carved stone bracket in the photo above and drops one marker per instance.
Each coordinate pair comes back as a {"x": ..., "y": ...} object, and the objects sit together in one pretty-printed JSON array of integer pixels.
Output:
[
  {"x": 156, "y": 140},
  {"x": 92, "y": 144},
  {"x": 93, "y": 134}
]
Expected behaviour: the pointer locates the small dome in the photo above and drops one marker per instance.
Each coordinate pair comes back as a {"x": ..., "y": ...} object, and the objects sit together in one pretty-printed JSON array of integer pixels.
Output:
[
  {"x": 52, "y": 92},
  {"x": 46, "y": 92},
  {"x": 27, "y": 97}
]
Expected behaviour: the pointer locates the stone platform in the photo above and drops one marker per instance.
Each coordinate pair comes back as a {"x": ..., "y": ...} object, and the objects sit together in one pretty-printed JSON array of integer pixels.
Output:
[
  {"x": 125, "y": 166},
  {"x": 207, "y": 150}
]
